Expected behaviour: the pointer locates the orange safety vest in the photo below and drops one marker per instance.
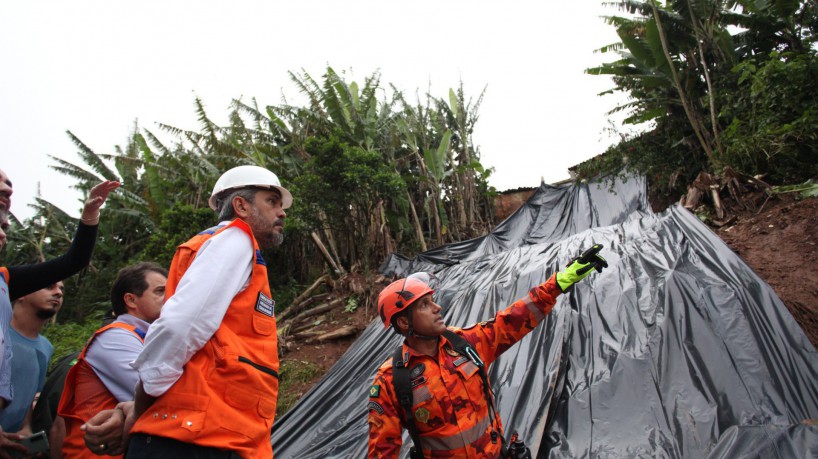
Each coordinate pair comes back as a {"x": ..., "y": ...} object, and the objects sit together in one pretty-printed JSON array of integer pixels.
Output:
[
  {"x": 226, "y": 396},
  {"x": 83, "y": 396},
  {"x": 448, "y": 399}
]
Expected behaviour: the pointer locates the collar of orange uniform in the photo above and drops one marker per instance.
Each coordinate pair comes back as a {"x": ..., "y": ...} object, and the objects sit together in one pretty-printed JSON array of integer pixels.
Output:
[{"x": 443, "y": 346}]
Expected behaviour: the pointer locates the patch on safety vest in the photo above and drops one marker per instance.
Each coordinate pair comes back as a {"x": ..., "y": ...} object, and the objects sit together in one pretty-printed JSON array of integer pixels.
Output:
[
  {"x": 460, "y": 361},
  {"x": 375, "y": 406},
  {"x": 374, "y": 390},
  {"x": 418, "y": 381},
  {"x": 417, "y": 370},
  {"x": 450, "y": 351},
  {"x": 265, "y": 305},
  {"x": 422, "y": 415}
]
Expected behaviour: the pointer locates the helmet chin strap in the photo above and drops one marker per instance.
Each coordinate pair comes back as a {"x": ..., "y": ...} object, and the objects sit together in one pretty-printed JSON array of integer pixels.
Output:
[{"x": 417, "y": 335}]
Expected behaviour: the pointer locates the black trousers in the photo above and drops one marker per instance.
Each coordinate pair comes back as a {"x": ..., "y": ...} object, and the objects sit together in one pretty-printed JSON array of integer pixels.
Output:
[{"x": 152, "y": 447}]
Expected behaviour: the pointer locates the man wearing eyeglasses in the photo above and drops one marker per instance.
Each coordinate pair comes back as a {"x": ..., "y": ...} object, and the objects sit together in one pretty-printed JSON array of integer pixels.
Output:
[{"x": 435, "y": 385}]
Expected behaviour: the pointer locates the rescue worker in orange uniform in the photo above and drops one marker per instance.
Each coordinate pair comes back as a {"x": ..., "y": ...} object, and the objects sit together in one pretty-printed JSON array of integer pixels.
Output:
[
  {"x": 451, "y": 402},
  {"x": 102, "y": 376},
  {"x": 209, "y": 369}
]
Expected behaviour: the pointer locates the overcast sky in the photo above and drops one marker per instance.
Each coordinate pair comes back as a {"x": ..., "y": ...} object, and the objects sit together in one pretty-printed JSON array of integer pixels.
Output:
[{"x": 94, "y": 67}]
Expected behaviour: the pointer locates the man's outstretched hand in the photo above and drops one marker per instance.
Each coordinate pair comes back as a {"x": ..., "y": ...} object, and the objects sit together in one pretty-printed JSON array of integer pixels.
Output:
[{"x": 580, "y": 267}]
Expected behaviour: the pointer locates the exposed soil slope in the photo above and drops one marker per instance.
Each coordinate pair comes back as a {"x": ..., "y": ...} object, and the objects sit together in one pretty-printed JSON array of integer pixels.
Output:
[{"x": 780, "y": 244}]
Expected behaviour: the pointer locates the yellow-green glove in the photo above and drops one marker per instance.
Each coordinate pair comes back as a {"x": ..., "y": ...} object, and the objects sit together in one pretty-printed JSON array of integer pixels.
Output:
[{"x": 580, "y": 267}]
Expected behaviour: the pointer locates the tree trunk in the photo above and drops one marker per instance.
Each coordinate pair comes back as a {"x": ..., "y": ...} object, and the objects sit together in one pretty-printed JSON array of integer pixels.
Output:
[
  {"x": 691, "y": 117},
  {"x": 383, "y": 229},
  {"x": 330, "y": 238},
  {"x": 335, "y": 267},
  {"x": 711, "y": 95},
  {"x": 416, "y": 223}
]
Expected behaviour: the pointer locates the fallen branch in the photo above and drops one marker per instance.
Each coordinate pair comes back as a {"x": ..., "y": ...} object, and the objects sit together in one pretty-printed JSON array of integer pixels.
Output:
[
  {"x": 335, "y": 266},
  {"x": 307, "y": 334},
  {"x": 297, "y": 305},
  {"x": 343, "y": 332},
  {"x": 320, "y": 309}
]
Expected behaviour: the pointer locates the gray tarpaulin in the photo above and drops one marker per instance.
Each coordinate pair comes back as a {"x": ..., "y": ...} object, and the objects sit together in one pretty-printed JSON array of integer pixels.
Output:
[{"x": 677, "y": 350}]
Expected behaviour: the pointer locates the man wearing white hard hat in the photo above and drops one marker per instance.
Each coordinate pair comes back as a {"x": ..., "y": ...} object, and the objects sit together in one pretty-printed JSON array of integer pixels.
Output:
[{"x": 209, "y": 369}]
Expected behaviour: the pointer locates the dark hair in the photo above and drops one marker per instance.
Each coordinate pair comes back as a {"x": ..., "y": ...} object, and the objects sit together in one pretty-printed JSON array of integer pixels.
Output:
[
  {"x": 396, "y": 316},
  {"x": 131, "y": 279}
]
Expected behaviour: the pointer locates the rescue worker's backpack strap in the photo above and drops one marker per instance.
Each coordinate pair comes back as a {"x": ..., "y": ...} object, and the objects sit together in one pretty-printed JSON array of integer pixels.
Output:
[
  {"x": 403, "y": 390},
  {"x": 465, "y": 349}
]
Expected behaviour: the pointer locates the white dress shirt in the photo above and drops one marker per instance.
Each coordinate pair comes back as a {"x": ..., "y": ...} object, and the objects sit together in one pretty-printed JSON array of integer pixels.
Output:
[
  {"x": 190, "y": 317},
  {"x": 110, "y": 356}
]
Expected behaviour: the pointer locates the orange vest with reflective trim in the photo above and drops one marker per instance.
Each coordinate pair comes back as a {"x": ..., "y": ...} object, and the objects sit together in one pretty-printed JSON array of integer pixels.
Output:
[
  {"x": 226, "y": 396},
  {"x": 83, "y": 396}
]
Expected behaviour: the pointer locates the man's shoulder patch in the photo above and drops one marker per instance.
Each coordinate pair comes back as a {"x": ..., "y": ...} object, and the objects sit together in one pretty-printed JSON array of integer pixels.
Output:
[
  {"x": 375, "y": 406},
  {"x": 374, "y": 391}
]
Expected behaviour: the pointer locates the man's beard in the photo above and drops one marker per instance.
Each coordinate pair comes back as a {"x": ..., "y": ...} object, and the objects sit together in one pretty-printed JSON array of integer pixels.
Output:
[
  {"x": 46, "y": 313},
  {"x": 277, "y": 239},
  {"x": 266, "y": 233}
]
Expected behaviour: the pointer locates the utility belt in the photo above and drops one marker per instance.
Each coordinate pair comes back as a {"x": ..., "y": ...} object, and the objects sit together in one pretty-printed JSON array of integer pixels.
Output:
[{"x": 515, "y": 449}]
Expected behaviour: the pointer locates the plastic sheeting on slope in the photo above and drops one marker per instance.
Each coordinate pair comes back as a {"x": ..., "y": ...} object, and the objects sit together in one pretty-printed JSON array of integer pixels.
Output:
[
  {"x": 676, "y": 350},
  {"x": 550, "y": 215}
]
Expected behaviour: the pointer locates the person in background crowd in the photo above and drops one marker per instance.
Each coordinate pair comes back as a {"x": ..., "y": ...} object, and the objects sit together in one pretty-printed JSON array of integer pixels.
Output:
[
  {"x": 17, "y": 281},
  {"x": 103, "y": 377},
  {"x": 45, "y": 411},
  {"x": 32, "y": 352}
]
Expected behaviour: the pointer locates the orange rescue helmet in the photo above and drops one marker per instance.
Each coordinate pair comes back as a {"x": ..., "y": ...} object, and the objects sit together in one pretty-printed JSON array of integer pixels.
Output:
[{"x": 399, "y": 295}]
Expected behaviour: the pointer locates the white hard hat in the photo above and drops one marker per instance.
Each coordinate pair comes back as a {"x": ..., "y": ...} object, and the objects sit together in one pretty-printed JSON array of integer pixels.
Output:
[{"x": 249, "y": 176}]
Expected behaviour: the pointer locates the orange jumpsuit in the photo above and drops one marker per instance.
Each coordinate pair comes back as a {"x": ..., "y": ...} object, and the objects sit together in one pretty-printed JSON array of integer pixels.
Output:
[
  {"x": 83, "y": 397},
  {"x": 449, "y": 403},
  {"x": 226, "y": 396}
]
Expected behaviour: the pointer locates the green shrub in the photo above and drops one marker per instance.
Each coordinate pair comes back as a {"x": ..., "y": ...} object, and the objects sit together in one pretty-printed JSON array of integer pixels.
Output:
[
  {"x": 772, "y": 120},
  {"x": 68, "y": 338}
]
